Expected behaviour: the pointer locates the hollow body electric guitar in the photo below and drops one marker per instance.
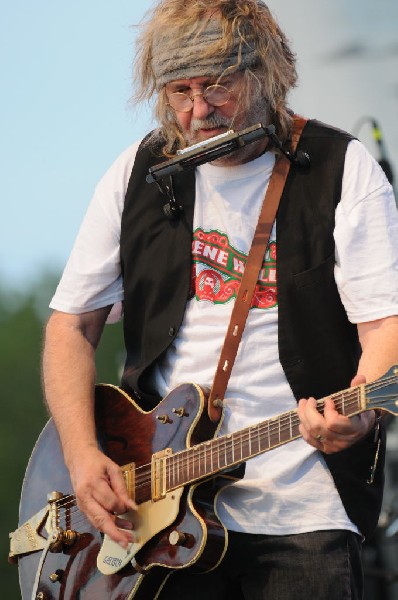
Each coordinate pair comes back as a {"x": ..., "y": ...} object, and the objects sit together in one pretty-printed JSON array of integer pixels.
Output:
[{"x": 174, "y": 466}]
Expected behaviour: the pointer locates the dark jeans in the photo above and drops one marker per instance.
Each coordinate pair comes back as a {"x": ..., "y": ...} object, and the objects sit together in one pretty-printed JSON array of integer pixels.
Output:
[{"x": 323, "y": 565}]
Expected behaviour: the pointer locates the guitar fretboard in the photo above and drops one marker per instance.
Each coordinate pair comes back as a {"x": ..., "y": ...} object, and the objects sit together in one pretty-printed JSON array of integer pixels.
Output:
[
  {"x": 209, "y": 458},
  {"x": 213, "y": 456},
  {"x": 216, "y": 455}
]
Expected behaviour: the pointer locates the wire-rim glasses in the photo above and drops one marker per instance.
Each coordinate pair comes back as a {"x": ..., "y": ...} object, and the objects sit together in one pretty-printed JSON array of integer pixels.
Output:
[{"x": 215, "y": 94}]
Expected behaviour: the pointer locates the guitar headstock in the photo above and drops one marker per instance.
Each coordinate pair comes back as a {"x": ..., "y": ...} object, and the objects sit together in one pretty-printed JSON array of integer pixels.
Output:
[{"x": 382, "y": 394}]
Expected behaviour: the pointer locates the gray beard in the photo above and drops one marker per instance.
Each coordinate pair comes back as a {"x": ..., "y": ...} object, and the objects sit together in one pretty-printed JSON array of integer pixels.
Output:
[{"x": 257, "y": 112}]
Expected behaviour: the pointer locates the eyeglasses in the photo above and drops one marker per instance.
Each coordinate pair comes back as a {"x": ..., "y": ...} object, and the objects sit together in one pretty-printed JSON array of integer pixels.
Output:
[{"x": 215, "y": 94}]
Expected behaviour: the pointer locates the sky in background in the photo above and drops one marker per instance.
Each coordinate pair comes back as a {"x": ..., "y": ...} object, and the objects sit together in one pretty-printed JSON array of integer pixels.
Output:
[{"x": 65, "y": 113}]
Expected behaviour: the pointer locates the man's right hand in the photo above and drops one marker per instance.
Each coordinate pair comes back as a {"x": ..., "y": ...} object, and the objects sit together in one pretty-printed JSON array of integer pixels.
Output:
[
  {"x": 101, "y": 493},
  {"x": 69, "y": 382}
]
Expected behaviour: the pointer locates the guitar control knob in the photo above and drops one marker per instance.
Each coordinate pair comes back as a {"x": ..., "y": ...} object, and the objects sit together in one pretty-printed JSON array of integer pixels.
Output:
[
  {"x": 179, "y": 538},
  {"x": 180, "y": 412},
  {"x": 164, "y": 419},
  {"x": 69, "y": 537},
  {"x": 57, "y": 545},
  {"x": 54, "y": 496},
  {"x": 57, "y": 576}
]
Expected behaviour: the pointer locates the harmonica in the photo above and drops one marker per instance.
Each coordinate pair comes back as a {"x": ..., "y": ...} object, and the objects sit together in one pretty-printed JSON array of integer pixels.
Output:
[{"x": 209, "y": 150}]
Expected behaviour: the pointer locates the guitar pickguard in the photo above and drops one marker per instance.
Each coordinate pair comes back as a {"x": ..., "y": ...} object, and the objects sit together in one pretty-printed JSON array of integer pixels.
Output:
[
  {"x": 150, "y": 518},
  {"x": 164, "y": 518},
  {"x": 175, "y": 468}
]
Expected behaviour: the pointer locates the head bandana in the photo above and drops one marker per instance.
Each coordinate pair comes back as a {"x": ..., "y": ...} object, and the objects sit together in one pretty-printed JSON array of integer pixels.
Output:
[{"x": 170, "y": 63}]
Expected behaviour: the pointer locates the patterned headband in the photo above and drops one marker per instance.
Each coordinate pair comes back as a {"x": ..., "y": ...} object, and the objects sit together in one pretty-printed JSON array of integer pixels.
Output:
[{"x": 170, "y": 63}]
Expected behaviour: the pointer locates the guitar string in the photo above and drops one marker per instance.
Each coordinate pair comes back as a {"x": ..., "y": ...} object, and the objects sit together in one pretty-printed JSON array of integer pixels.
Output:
[
  {"x": 282, "y": 423},
  {"x": 224, "y": 444},
  {"x": 223, "y": 450},
  {"x": 148, "y": 482},
  {"x": 243, "y": 439},
  {"x": 342, "y": 398}
]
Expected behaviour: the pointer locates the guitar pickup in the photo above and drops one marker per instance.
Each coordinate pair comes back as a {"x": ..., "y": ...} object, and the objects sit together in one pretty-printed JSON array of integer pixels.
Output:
[
  {"x": 158, "y": 482},
  {"x": 129, "y": 479}
]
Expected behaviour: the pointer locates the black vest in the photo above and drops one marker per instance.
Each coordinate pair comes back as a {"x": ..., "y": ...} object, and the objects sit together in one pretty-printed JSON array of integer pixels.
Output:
[{"x": 318, "y": 347}]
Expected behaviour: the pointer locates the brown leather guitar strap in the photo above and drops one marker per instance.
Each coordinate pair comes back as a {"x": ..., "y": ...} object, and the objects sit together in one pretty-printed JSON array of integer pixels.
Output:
[{"x": 250, "y": 276}]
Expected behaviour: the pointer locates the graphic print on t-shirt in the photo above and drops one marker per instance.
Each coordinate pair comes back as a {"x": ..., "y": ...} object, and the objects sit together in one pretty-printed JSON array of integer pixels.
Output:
[{"x": 218, "y": 267}]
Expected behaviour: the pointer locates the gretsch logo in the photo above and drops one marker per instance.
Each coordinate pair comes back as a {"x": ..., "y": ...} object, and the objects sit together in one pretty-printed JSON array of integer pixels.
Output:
[
  {"x": 218, "y": 268},
  {"x": 112, "y": 561},
  {"x": 30, "y": 535}
]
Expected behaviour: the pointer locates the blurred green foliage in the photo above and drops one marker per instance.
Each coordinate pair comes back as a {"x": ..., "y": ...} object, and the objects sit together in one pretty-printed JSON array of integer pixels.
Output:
[{"x": 23, "y": 414}]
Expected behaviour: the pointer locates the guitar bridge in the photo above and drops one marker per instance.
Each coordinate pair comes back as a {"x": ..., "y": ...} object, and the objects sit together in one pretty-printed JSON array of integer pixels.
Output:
[
  {"x": 158, "y": 483},
  {"x": 28, "y": 537}
]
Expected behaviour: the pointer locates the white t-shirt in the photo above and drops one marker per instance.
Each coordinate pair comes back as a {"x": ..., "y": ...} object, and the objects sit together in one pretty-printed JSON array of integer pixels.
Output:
[{"x": 287, "y": 490}]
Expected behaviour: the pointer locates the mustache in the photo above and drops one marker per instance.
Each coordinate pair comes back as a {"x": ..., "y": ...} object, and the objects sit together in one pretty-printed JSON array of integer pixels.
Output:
[{"x": 213, "y": 121}]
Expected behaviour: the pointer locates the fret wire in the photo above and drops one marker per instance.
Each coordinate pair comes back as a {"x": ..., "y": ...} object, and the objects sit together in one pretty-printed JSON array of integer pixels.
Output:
[
  {"x": 222, "y": 443},
  {"x": 258, "y": 438},
  {"x": 262, "y": 427},
  {"x": 268, "y": 428},
  {"x": 241, "y": 446},
  {"x": 246, "y": 447},
  {"x": 346, "y": 401},
  {"x": 351, "y": 396}
]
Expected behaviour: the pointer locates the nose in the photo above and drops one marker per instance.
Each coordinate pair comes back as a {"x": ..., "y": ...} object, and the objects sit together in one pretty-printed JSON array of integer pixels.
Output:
[{"x": 201, "y": 108}]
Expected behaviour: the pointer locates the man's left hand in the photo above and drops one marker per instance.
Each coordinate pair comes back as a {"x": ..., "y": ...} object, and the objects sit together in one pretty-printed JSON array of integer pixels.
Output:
[{"x": 332, "y": 431}]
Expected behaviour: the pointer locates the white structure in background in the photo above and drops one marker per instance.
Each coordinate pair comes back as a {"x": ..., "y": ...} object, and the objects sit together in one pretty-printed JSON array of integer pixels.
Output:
[{"x": 347, "y": 54}]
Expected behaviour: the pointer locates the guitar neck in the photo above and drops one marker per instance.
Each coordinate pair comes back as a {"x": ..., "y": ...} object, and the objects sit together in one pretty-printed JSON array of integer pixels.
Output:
[
  {"x": 170, "y": 471},
  {"x": 216, "y": 455}
]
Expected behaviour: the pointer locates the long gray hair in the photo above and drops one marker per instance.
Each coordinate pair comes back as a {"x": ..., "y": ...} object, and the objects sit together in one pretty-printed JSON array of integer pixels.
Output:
[{"x": 272, "y": 72}]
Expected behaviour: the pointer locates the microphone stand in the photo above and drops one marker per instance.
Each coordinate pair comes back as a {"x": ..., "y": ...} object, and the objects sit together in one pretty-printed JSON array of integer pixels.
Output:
[{"x": 207, "y": 151}]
